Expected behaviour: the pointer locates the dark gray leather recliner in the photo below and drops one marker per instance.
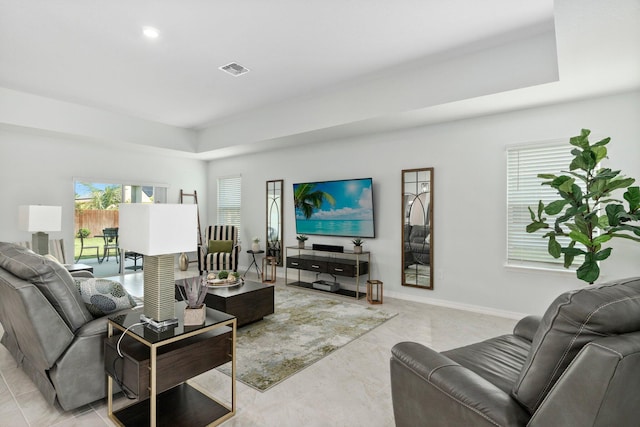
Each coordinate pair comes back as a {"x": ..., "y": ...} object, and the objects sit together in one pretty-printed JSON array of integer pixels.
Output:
[
  {"x": 48, "y": 329},
  {"x": 578, "y": 365}
]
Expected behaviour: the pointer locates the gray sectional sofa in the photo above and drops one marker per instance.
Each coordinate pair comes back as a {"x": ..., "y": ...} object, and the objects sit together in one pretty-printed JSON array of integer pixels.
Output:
[{"x": 48, "y": 329}]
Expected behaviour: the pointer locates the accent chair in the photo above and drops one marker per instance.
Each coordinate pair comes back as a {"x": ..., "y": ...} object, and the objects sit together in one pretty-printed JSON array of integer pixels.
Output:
[{"x": 220, "y": 249}]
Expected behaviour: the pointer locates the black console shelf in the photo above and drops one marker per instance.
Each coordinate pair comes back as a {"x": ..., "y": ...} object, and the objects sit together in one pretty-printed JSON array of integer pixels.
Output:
[{"x": 342, "y": 264}]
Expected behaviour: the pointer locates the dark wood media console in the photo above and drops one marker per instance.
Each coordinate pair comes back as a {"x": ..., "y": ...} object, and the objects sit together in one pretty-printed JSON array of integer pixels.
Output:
[{"x": 337, "y": 264}]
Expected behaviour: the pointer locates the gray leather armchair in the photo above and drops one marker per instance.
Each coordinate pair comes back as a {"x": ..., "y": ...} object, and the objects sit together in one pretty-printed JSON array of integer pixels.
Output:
[
  {"x": 48, "y": 329},
  {"x": 578, "y": 365}
]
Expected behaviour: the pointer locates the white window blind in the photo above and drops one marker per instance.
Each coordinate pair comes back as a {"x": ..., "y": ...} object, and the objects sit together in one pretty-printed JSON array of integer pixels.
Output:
[
  {"x": 524, "y": 190},
  {"x": 229, "y": 192}
]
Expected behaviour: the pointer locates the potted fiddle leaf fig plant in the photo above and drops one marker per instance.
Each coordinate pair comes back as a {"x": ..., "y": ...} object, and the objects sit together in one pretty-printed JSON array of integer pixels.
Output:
[
  {"x": 194, "y": 291},
  {"x": 589, "y": 218}
]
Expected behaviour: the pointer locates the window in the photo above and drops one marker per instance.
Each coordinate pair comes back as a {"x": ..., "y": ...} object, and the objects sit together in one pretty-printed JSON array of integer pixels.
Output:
[
  {"x": 229, "y": 192},
  {"x": 524, "y": 189}
]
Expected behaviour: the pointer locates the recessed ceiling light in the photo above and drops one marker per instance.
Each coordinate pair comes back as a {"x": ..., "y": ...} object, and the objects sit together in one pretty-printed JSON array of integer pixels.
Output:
[
  {"x": 150, "y": 32},
  {"x": 234, "y": 69}
]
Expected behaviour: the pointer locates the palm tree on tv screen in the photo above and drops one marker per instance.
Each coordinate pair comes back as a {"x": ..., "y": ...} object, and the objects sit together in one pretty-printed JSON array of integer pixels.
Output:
[{"x": 307, "y": 200}]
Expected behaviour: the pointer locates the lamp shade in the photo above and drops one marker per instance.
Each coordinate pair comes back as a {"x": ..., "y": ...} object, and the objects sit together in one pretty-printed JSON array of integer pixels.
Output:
[
  {"x": 158, "y": 229},
  {"x": 35, "y": 218}
]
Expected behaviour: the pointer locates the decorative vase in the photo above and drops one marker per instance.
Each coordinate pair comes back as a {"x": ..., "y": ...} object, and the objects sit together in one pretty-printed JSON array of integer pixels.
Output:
[
  {"x": 255, "y": 247},
  {"x": 195, "y": 316},
  {"x": 357, "y": 249},
  {"x": 183, "y": 262}
]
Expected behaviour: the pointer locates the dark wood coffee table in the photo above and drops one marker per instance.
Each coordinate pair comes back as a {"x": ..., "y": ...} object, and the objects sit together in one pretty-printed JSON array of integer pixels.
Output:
[{"x": 248, "y": 302}]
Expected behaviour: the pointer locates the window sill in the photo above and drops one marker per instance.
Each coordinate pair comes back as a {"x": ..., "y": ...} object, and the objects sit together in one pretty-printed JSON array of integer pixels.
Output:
[{"x": 540, "y": 268}]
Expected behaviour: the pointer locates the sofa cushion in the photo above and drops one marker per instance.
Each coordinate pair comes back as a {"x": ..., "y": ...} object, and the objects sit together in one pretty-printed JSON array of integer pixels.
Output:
[
  {"x": 574, "y": 319},
  {"x": 103, "y": 296},
  {"x": 498, "y": 360},
  {"x": 51, "y": 278}
]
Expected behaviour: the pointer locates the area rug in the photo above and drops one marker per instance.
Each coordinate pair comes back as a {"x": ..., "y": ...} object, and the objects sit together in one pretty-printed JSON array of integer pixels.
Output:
[{"x": 305, "y": 327}]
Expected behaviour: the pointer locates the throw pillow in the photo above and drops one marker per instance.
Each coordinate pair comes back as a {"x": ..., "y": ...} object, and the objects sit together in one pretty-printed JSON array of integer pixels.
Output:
[
  {"x": 102, "y": 296},
  {"x": 220, "y": 246}
]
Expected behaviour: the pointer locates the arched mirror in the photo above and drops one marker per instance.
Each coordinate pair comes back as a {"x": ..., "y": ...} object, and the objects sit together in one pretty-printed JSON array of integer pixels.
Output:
[
  {"x": 274, "y": 219},
  {"x": 417, "y": 228}
]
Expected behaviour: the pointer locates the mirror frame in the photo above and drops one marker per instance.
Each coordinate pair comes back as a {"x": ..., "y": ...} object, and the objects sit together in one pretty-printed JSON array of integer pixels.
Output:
[
  {"x": 274, "y": 188},
  {"x": 409, "y": 198}
]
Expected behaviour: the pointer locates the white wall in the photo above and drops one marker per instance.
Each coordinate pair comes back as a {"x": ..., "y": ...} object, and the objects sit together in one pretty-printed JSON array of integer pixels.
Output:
[
  {"x": 38, "y": 167},
  {"x": 469, "y": 207}
]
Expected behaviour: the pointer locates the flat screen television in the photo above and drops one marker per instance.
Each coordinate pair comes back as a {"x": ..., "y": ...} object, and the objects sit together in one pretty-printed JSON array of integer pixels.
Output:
[{"x": 335, "y": 208}]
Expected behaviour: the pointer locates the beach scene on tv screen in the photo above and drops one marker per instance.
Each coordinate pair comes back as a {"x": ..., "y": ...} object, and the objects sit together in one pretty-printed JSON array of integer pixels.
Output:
[{"x": 335, "y": 208}]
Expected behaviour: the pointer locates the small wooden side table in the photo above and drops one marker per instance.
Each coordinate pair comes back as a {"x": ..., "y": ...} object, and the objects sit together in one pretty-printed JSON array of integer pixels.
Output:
[
  {"x": 374, "y": 291},
  {"x": 269, "y": 261}
]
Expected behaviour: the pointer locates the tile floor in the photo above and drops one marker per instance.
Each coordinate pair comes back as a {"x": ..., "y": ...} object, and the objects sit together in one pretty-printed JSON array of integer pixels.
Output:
[{"x": 350, "y": 387}]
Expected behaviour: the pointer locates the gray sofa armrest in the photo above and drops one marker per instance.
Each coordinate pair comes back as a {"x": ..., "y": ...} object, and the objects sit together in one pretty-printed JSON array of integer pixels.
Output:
[
  {"x": 527, "y": 327},
  {"x": 428, "y": 388},
  {"x": 82, "y": 273}
]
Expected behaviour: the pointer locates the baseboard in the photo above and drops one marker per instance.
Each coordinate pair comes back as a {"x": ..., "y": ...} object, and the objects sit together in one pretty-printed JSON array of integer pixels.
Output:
[{"x": 457, "y": 305}]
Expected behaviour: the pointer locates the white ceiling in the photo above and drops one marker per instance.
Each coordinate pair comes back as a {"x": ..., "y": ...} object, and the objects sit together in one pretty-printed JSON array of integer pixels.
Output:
[{"x": 92, "y": 53}]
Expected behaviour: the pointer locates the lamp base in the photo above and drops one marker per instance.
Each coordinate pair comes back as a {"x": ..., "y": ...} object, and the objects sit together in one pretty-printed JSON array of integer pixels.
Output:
[
  {"x": 159, "y": 288},
  {"x": 40, "y": 243},
  {"x": 158, "y": 325}
]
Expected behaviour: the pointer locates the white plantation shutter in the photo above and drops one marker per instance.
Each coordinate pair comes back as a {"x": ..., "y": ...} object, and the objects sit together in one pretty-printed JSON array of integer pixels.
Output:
[
  {"x": 229, "y": 192},
  {"x": 524, "y": 189}
]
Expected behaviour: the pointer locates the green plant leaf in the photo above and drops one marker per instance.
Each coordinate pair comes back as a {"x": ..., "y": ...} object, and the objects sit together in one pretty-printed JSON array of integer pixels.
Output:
[
  {"x": 567, "y": 185},
  {"x": 619, "y": 183},
  {"x": 573, "y": 251},
  {"x": 603, "y": 222},
  {"x": 569, "y": 254},
  {"x": 547, "y": 176},
  {"x": 627, "y": 227},
  {"x": 555, "y": 250},
  {"x": 582, "y": 140},
  {"x": 540, "y": 209},
  {"x": 600, "y": 152},
  {"x": 606, "y": 173},
  {"x": 612, "y": 214},
  {"x": 535, "y": 226},
  {"x": 578, "y": 163},
  {"x": 603, "y": 254},
  {"x": 555, "y": 208},
  {"x": 602, "y": 142},
  {"x": 581, "y": 225},
  {"x": 632, "y": 195},
  {"x": 581, "y": 238},
  {"x": 603, "y": 238},
  {"x": 533, "y": 216},
  {"x": 588, "y": 271}
]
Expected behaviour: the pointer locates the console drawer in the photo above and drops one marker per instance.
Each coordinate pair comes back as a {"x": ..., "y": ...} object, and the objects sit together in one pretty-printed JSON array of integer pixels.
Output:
[
  {"x": 295, "y": 262},
  {"x": 347, "y": 269}
]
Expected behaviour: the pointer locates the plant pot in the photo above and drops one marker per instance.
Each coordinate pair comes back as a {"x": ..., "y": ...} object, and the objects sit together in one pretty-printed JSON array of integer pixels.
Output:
[
  {"x": 255, "y": 247},
  {"x": 183, "y": 262},
  {"x": 300, "y": 244},
  {"x": 357, "y": 249},
  {"x": 195, "y": 316}
]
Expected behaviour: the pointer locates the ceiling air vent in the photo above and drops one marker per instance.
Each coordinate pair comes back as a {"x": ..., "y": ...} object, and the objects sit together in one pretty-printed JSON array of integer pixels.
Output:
[{"x": 234, "y": 69}]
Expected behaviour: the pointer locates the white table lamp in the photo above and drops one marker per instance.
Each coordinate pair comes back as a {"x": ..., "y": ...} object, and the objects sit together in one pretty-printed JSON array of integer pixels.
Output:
[
  {"x": 37, "y": 219},
  {"x": 158, "y": 231}
]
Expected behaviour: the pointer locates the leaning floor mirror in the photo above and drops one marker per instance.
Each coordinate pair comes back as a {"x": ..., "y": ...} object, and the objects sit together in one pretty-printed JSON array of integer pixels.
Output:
[
  {"x": 274, "y": 220},
  {"x": 417, "y": 228}
]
